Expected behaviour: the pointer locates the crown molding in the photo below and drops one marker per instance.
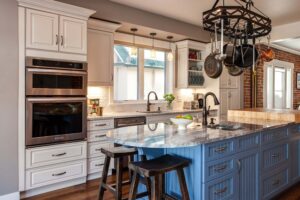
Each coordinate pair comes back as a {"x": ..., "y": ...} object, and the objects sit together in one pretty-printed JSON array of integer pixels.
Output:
[
  {"x": 57, "y": 7},
  {"x": 102, "y": 25},
  {"x": 276, "y": 46}
]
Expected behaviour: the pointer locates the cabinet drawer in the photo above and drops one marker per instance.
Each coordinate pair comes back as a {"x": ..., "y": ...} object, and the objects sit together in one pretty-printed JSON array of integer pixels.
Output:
[
  {"x": 96, "y": 165},
  {"x": 275, "y": 156},
  {"x": 94, "y": 148},
  {"x": 274, "y": 183},
  {"x": 219, "y": 168},
  {"x": 274, "y": 135},
  {"x": 221, "y": 189},
  {"x": 294, "y": 130},
  {"x": 97, "y": 136},
  {"x": 42, "y": 156},
  {"x": 96, "y": 125},
  {"x": 55, "y": 174},
  {"x": 219, "y": 149},
  {"x": 248, "y": 142}
]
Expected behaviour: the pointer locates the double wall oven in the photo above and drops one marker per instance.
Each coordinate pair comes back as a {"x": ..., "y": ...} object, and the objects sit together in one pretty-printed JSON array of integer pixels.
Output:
[{"x": 56, "y": 105}]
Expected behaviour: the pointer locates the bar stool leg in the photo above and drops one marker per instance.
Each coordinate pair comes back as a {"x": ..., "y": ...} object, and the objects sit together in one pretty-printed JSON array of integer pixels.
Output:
[
  {"x": 119, "y": 178},
  {"x": 130, "y": 159},
  {"x": 183, "y": 187},
  {"x": 155, "y": 189},
  {"x": 134, "y": 186},
  {"x": 148, "y": 186},
  {"x": 104, "y": 178}
]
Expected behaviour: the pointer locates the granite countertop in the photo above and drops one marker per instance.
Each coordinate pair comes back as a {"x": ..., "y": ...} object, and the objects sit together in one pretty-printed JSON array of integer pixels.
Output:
[
  {"x": 164, "y": 135},
  {"x": 135, "y": 114}
]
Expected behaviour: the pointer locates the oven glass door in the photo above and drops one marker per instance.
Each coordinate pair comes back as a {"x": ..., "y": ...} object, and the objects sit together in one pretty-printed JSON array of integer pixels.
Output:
[
  {"x": 55, "y": 82},
  {"x": 55, "y": 120}
]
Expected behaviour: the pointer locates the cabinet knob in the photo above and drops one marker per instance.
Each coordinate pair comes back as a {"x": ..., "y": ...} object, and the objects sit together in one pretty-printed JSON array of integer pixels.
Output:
[
  {"x": 56, "y": 40},
  {"x": 62, "y": 40}
]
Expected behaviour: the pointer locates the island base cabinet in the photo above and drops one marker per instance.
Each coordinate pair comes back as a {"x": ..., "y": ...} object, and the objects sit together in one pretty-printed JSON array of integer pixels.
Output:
[
  {"x": 295, "y": 166},
  {"x": 248, "y": 175}
]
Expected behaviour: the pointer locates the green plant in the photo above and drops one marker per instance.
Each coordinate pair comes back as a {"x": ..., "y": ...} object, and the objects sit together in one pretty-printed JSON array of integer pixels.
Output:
[{"x": 169, "y": 98}]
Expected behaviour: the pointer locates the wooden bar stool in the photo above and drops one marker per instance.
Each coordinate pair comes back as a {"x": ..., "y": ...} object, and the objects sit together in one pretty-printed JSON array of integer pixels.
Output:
[
  {"x": 157, "y": 168},
  {"x": 118, "y": 153}
]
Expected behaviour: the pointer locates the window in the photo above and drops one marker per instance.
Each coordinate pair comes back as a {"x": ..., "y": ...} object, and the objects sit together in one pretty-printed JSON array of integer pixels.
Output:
[
  {"x": 134, "y": 77},
  {"x": 278, "y": 85}
]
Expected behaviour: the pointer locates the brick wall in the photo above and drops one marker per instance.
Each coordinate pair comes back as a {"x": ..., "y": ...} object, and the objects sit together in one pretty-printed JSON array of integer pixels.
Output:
[{"x": 279, "y": 55}]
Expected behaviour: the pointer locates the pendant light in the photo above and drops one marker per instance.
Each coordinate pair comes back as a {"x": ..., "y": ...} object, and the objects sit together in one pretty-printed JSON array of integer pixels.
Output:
[
  {"x": 153, "y": 52},
  {"x": 170, "y": 54},
  {"x": 133, "y": 49}
]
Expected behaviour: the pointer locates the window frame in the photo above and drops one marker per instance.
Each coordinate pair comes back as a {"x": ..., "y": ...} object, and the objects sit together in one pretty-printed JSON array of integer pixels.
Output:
[
  {"x": 277, "y": 64},
  {"x": 140, "y": 76}
]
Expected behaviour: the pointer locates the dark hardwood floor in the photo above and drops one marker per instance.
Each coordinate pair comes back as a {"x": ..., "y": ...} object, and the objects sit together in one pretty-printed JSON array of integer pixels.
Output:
[{"x": 89, "y": 191}]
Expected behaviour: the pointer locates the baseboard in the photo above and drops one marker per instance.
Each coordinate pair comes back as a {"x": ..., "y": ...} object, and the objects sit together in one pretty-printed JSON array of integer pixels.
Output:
[{"x": 11, "y": 196}]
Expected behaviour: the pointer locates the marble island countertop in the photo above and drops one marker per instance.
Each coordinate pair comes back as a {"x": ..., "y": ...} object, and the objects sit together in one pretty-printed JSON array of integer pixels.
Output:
[
  {"x": 167, "y": 135},
  {"x": 136, "y": 113}
]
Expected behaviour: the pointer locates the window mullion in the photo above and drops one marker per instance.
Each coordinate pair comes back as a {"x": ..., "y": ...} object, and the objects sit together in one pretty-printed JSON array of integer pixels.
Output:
[{"x": 141, "y": 74}]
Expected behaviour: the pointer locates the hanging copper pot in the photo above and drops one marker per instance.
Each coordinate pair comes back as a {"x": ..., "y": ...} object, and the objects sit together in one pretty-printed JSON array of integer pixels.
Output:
[{"x": 268, "y": 55}]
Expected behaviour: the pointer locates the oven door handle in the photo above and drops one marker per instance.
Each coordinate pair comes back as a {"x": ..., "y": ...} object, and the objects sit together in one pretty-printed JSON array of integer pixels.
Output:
[
  {"x": 54, "y": 99},
  {"x": 56, "y": 71}
]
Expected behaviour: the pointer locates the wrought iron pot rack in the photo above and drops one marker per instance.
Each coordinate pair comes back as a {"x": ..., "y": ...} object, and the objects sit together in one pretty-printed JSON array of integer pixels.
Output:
[{"x": 239, "y": 21}]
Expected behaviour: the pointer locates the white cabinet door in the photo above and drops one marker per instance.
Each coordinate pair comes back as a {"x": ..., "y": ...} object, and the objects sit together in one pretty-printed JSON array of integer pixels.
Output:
[
  {"x": 224, "y": 101},
  {"x": 73, "y": 35},
  {"x": 224, "y": 78},
  {"x": 41, "y": 30},
  {"x": 234, "y": 99},
  {"x": 233, "y": 81},
  {"x": 100, "y": 58}
]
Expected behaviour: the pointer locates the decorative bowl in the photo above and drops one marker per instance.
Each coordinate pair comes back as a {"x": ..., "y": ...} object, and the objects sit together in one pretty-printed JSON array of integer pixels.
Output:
[{"x": 181, "y": 123}]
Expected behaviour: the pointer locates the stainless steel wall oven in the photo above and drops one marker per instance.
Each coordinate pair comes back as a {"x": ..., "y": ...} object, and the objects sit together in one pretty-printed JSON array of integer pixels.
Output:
[{"x": 56, "y": 104}]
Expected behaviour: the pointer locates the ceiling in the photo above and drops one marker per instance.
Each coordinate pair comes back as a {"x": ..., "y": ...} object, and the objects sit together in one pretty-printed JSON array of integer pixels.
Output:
[
  {"x": 190, "y": 11},
  {"x": 293, "y": 43}
]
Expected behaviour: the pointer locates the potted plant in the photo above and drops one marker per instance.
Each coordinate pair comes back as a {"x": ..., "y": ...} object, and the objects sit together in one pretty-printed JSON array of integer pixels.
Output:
[{"x": 169, "y": 98}]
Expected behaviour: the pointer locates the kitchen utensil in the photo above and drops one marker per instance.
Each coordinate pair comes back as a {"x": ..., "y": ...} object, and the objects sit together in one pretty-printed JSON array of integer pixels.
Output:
[
  {"x": 230, "y": 51},
  {"x": 234, "y": 70},
  {"x": 268, "y": 55},
  {"x": 212, "y": 66},
  {"x": 220, "y": 56}
]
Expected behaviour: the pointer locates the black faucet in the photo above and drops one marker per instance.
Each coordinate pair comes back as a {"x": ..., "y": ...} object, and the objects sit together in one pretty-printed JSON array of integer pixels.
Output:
[
  {"x": 148, "y": 101},
  {"x": 205, "y": 110}
]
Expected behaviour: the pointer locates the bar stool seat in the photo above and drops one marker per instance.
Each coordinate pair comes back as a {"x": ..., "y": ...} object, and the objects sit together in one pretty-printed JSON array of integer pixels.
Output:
[
  {"x": 157, "y": 168},
  {"x": 117, "y": 153}
]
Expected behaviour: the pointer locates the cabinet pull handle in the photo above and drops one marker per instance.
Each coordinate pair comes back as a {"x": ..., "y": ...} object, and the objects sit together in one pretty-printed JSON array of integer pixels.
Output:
[
  {"x": 62, "y": 40},
  {"x": 220, "y": 149},
  {"x": 100, "y": 136},
  {"x": 221, "y": 191},
  {"x": 56, "y": 40},
  {"x": 59, "y": 174},
  {"x": 276, "y": 182},
  {"x": 98, "y": 165},
  {"x": 60, "y": 154},
  {"x": 220, "y": 168},
  {"x": 100, "y": 125},
  {"x": 98, "y": 149},
  {"x": 275, "y": 155},
  {"x": 239, "y": 165}
]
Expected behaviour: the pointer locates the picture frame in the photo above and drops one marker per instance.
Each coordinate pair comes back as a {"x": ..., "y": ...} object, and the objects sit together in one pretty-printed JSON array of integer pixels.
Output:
[{"x": 298, "y": 80}]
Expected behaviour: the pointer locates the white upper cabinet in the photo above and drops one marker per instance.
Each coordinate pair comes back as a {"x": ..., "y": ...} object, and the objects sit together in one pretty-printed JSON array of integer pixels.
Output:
[
  {"x": 41, "y": 30},
  {"x": 73, "y": 35},
  {"x": 100, "y": 52}
]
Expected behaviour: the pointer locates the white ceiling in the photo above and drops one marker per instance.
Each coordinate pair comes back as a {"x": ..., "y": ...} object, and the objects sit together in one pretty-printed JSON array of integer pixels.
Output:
[
  {"x": 293, "y": 44},
  {"x": 190, "y": 11}
]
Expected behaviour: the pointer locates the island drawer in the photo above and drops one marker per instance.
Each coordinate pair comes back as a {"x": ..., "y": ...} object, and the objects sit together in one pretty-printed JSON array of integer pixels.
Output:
[
  {"x": 48, "y": 155},
  {"x": 218, "y": 168},
  {"x": 97, "y": 136},
  {"x": 275, "y": 156},
  {"x": 222, "y": 188},
  {"x": 274, "y": 135},
  {"x": 54, "y": 174},
  {"x": 96, "y": 125},
  {"x": 274, "y": 183},
  {"x": 218, "y": 150},
  {"x": 248, "y": 142},
  {"x": 94, "y": 148}
]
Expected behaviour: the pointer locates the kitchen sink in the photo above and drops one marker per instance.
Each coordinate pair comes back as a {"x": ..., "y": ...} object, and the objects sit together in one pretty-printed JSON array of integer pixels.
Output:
[{"x": 226, "y": 127}]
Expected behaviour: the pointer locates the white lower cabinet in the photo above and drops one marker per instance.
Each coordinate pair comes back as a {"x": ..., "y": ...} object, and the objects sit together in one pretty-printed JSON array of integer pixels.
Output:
[
  {"x": 43, "y": 156},
  {"x": 44, "y": 176}
]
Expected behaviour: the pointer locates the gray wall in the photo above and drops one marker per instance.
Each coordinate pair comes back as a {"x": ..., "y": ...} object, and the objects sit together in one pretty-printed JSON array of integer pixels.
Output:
[
  {"x": 108, "y": 10},
  {"x": 8, "y": 96}
]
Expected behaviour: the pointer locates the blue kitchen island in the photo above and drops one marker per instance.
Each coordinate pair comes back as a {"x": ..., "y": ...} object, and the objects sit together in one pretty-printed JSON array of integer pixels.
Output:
[{"x": 255, "y": 160}]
